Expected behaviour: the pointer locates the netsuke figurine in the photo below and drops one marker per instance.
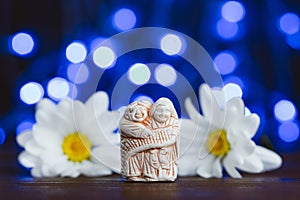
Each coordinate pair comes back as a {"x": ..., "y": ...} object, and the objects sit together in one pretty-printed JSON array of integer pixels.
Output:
[{"x": 149, "y": 141}]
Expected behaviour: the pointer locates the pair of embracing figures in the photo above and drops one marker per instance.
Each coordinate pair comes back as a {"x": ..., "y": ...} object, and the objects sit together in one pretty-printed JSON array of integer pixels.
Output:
[{"x": 149, "y": 141}]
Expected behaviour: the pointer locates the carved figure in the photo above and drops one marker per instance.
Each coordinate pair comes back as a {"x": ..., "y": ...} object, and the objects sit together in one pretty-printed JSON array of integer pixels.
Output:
[{"x": 149, "y": 141}]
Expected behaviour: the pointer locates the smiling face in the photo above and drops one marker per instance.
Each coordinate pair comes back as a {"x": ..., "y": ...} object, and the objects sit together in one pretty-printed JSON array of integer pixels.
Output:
[
  {"x": 162, "y": 113},
  {"x": 136, "y": 113}
]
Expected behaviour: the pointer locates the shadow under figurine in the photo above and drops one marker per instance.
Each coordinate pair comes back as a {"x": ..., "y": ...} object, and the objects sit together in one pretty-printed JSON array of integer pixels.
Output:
[{"x": 149, "y": 141}]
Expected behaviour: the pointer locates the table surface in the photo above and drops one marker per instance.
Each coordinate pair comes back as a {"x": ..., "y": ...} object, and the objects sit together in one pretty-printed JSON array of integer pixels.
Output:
[{"x": 16, "y": 182}]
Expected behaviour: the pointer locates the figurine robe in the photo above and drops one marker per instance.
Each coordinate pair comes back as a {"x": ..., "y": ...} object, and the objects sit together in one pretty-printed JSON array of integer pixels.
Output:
[{"x": 149, "y": 141}]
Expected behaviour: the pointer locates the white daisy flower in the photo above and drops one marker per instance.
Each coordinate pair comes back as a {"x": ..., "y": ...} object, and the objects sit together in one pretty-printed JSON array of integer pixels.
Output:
[
  {"x": 71, "y": 138},
  {"x": 221, "y": 137}
]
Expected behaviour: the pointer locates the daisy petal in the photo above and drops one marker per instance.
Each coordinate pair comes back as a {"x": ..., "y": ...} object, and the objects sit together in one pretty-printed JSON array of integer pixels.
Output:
[
  {"x": 239, "y": 143},
  {"x": 203, "y": 150},
  {"x": 99, "y": 132},
  {"x": 229, "y": 167},
  {"x": 245, "y": 147},
  {"x": 217, "y": 168},
  {"x": 209, "y": 167},
  {"x": 234, "y": 157},
  {"x": 66, "y": 110},
  {"x": 72, "y": 171},
  {"x": 33, "y": 148},
  {"x": 48, "y": 119},
  {"x": 109, "y": 156},
  {"x": 81, "y": 118},
  {"x": 190, "y": 137},
  {"x": 219, "y": 96},
  {"x": 99, "y": 102},
  {"x": 193, "y": 112},
  {"x": 251, "y": 164},
  {"x": 45, "y": 118},
  {"x": 89, "y": 168},
  {"x": 27, "y": 160},
  {"x": 109, "y": 121},
  {"x": 211, "y": 110},
  {"x": 246, "y": 125},
  {"x": 47, "y": 171},
  {"x": 45, "y": 137},
  {"x": 52, "y": 157},
  {"x": 235, "y": 108},
  {"x": 24, "y": 137},
  {"x": 65, "y": 106},
  {"x": 36, "y": 172},
  {"x": 187, "y": 165},
  {"x": 270, "y": 159},
  {"x": 60, "y": 165},
  {"x": 206, "y": 100},
  {"x": 104, "y": 127},
  {"x": 47, "y": 112},
  {"x": 46, "y": 104}
]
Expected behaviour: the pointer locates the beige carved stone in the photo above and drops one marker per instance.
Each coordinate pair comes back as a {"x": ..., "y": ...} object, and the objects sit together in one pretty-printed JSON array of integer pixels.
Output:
[{"x": 149, "y": 141}]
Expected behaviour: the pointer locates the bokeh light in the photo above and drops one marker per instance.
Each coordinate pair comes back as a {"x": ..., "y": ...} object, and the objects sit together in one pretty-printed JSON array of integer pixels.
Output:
[
  {"x": 233, "y": 11},
  {"x": 226, "y": 62},
  {"x": 220, "y": 27},
  {"x": 289, "y": 23},
  {"x": 165, "y": 74},
  {"x": 24, "y": 126},
  {"x": 58, "y": 88},
  {"x": 31, "y": 93},
  {"x": 284, "y": 110},
  {"x": 294, "y": 40},
  {"x": 171, "y": 44},
  {"x": 139, "y": 74},
  {"x": 232, "y": 90},
  {"x": 78, "y": 73},
  {"x": 76, "y": 52},
  {"x": 96, "y": 42},
  {"x": 124, "y": 19},
  {"x": 227, "y": 30},
  {"x": 104, "y": 57},
  {"x": 2, "y": 136},
  {"x": 288, "y": 132},
  {"x": 22, "y": 43}
]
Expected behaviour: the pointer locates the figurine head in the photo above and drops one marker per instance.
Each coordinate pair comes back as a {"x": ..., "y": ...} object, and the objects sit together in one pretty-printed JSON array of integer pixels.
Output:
[
  {"x": 162, "y": 110},
  {"x": 138, "y": 111}
]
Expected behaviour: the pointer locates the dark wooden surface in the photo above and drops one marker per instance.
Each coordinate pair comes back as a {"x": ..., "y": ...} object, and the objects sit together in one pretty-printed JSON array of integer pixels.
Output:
[{"x": 16, "y": 182}]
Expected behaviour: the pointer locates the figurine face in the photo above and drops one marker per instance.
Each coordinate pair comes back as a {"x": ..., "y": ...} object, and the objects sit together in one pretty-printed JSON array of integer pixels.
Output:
[
  {"x": 162, "y": 113},
  {"x": 137, "y": 113}
]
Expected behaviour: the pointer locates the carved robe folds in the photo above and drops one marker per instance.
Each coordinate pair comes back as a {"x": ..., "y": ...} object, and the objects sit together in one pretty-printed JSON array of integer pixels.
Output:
[{"x": 149, "y": 141}]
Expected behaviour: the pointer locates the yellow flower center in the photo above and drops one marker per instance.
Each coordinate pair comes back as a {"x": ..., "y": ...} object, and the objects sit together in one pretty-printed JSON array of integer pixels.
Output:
[
  {"x": 217, "y": 143},
  {"x": 77, "y": 147}
]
